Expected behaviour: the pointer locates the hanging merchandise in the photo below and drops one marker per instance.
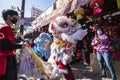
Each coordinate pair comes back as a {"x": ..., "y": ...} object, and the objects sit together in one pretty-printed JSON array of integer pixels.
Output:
[
  {"x": 96, "y": 6},
  {"x": 97, "y": 10},
  {"x": 79, "y": 17},
  {"x": 94, "y": 2},
  {"x": 110, "y": 19},
  {"x": 79, "y": 12},
  {"x": 118, "y": 4},
  {"x": 77, "y": 3}
]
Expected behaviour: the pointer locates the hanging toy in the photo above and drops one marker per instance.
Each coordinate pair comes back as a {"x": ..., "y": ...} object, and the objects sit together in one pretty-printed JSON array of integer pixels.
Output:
[
  {"x": 97, "y": 10},
  {"x": 79, "y": 17},
  {"x": 79, "y": 12},
  {"x": 93, "y": 3},
  {"x": 118, "y": 4},
  {"x": 96, "y": 6}
]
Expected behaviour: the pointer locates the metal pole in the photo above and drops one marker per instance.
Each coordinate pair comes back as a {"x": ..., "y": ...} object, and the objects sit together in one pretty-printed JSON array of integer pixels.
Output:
[{"x": 22, "y": 16}]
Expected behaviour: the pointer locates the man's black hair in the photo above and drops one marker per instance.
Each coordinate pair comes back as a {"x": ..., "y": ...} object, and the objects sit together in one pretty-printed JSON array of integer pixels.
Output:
[
  {"x": 90, "y": 23},
  {"x": 10, "y": 12}
]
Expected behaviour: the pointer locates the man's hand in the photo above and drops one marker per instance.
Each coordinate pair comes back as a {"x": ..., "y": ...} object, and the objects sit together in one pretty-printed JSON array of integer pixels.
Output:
[{"x": 23, "y": 46}]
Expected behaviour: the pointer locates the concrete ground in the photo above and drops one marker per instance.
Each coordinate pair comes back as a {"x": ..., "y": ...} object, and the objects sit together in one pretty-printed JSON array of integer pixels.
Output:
[
  {"x": 82, "y": 72},
  {"x": 92, "y": 72}
]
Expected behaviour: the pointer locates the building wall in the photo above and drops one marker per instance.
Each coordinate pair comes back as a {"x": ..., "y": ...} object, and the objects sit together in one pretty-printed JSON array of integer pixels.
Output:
[
  {"x": 44, "y": 14},
  {"x": 47, "y": 11},
  {"x": 35, "y": 12}
]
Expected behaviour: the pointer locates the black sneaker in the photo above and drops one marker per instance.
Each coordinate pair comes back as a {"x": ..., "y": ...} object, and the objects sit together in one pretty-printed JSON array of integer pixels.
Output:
[
  {"x": 86, "y": 64},
  {"x": 103, "y": 76}
]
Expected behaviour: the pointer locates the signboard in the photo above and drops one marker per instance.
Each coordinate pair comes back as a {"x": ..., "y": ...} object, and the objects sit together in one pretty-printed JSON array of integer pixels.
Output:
[{"x": 25, "y": 21}]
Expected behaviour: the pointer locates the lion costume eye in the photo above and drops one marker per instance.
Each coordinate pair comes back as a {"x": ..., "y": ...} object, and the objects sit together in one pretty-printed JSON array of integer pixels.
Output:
[{"x": 64, "y": 25}]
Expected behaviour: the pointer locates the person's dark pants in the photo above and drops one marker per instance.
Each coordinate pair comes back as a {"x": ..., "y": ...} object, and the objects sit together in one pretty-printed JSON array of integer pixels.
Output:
[
  {"x": 11, "y": 69},
  {"x": 87, "y": 57}
]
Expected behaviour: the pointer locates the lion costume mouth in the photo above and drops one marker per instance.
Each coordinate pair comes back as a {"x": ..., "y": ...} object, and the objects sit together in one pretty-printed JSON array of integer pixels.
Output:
[
  {"x": 1, "y": 36},
  {"x": 68, "y": 47}
]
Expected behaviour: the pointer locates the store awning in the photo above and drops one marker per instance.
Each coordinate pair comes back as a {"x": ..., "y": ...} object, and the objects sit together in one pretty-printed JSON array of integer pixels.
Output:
[
  {"x": 57, "y": 12},
  {"x": 63, "y": 10},
  {"x": 77, "y": 4}
]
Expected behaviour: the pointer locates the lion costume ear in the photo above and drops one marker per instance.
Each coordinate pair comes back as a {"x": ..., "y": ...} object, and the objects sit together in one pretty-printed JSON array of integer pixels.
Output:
[
  {"x": 51, "y": 27},
  {"x": 2, "y": 36}
]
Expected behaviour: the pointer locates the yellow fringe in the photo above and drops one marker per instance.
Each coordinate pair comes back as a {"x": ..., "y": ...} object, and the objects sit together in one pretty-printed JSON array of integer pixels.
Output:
[{"x": 40, "y": 62}]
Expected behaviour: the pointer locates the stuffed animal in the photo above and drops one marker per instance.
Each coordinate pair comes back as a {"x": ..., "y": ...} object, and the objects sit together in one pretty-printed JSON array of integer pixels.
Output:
[{"x": 42, "y": 45}]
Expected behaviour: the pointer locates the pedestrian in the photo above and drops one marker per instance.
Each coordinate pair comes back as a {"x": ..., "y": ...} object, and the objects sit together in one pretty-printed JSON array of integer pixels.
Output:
[
  {"x": 87, "y": 44},
  {"x": 86, "y": 61},
  {"x": 79, "y": 47},
  {"x": 101, "y": 42},
  {"x": 8, "y": 45}
]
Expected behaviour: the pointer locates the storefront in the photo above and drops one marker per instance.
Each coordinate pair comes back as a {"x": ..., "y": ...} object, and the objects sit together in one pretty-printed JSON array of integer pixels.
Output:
[{"x": 64, "y": 10}]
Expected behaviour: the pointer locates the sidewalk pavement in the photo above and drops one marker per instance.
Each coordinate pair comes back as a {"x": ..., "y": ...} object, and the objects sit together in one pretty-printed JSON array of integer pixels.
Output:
[{"x": 82, "y": 72}]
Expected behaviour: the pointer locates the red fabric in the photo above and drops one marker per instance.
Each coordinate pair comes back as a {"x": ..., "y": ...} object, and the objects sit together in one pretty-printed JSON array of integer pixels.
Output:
[
  {"x": 7, "y": 32},
  {"x": 2, "y": 64},
  {"x": 97, "y": 11},
  {"x": 31, "y": 44},
  {"x": 60, "y": 65},
  {"x": 79, "y": 55},
  {"x": 93, "y": 3},
  {"x": 70, "y": 75}
]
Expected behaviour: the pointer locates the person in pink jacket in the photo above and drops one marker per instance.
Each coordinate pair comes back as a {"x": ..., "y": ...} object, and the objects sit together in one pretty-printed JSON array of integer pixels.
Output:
[{"x": 101, "y": 42}]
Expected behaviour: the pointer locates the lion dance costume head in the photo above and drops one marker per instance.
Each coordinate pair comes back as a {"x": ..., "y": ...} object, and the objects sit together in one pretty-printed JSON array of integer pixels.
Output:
[{"x": 65, "y": 33}]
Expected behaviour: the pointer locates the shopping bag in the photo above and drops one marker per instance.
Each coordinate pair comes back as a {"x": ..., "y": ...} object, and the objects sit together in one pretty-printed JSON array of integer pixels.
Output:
[{"x": 2, "y": 64}]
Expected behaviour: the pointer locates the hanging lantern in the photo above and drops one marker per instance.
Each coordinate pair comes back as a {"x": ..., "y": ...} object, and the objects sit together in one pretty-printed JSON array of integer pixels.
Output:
[
  {"x": 97, "y": 11},
  {"x": 80, "y": 11},
  {"x": 76, "y": 11},
  {"x": 94, "y": 2},
  {"x": 79, "y": 17},
  {"x": 118, "y": 3}
]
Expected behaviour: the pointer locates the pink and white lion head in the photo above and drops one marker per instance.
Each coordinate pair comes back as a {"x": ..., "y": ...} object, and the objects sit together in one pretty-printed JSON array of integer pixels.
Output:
[{"x": 65, "y": 28}]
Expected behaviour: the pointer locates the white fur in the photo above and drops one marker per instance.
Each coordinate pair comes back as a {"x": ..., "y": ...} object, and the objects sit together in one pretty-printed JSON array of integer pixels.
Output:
[
  {"x": 50, "y": 27},
  {"x": 70, "y": 33},
  {"x": 78, "y": 35},
  {"x": 57, "y": 22}
]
